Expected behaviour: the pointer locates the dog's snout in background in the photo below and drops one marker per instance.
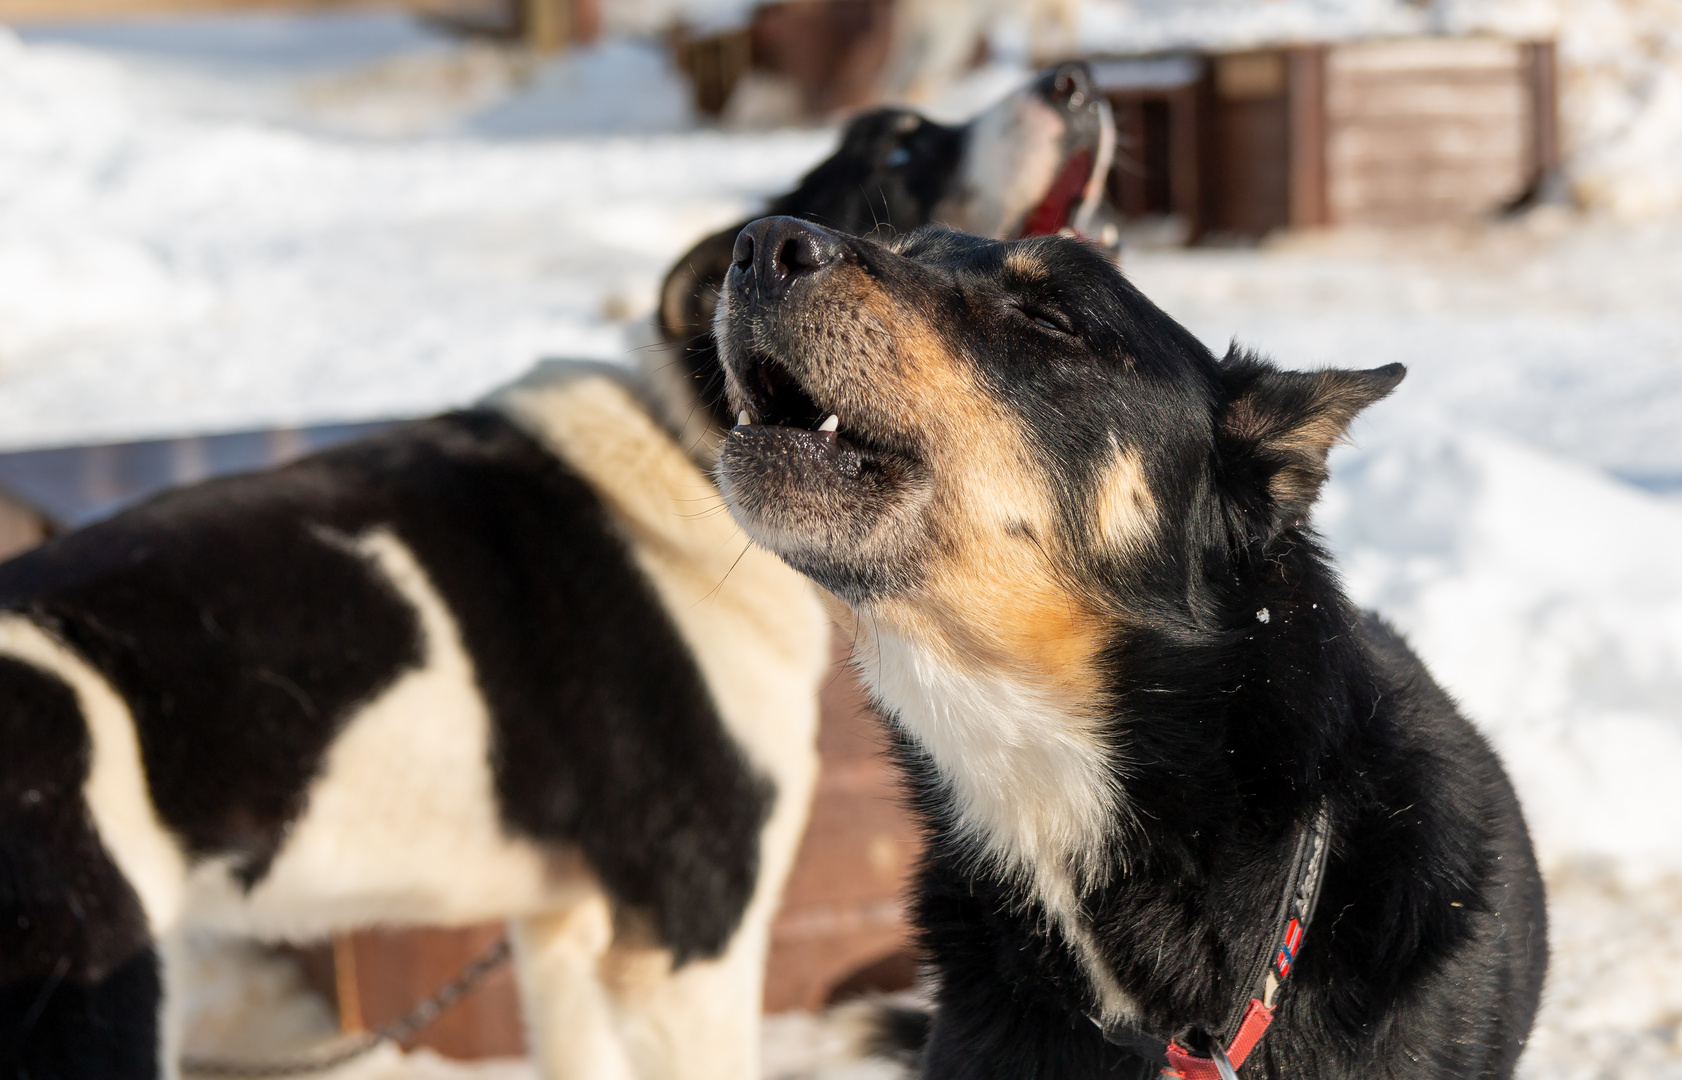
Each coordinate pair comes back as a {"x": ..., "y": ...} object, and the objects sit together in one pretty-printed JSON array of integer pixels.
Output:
[{"x": 1070, "y": 85}]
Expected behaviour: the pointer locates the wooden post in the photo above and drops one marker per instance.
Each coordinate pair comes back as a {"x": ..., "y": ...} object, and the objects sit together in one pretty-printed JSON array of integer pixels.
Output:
[
  {"x": 1187, "y": 161},
  {"x": 1542, "y": 74},
  {"x": 1306, "y": 127}
]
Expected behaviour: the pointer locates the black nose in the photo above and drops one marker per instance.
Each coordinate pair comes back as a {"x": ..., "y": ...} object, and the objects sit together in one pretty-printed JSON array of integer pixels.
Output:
[
  {"x": 1068, "y": 85},
  {"x": 776, "y": 250}
]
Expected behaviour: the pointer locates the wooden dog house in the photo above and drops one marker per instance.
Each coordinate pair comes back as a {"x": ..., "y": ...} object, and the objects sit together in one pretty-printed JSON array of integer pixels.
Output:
[{"x": 1389, "y": 132}]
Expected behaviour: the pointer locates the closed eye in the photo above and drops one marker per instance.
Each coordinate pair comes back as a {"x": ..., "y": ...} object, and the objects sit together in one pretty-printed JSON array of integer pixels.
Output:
[{"x": 1047, "y": 319}]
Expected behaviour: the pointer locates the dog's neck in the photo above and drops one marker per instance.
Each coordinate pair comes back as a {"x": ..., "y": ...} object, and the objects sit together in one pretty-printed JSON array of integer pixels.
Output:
[
  {"x": 1061, "y": 795},
  {"x": 1031, "y": 774}
]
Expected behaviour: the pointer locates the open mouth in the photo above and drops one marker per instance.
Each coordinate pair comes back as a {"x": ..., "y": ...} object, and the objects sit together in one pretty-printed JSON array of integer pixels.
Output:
[
  {"x": 778, "y": 404},
  {"x": 1063, "y": 200},
  {"x": 776, "y": 398}
]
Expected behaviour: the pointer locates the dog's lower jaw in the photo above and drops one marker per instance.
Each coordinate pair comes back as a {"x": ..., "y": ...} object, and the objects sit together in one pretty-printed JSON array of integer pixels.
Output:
[{"x": 1032, "y": 778}]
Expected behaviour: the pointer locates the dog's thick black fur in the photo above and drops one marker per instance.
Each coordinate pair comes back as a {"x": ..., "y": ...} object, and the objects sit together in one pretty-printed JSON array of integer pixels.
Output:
[
  {"x": 1041, "y": 485},
  {"x": 1427, "y": 957}
]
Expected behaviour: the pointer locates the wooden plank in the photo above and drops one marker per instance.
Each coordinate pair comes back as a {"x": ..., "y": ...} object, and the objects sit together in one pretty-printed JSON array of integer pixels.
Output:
[
  {"x": 1507, "y": 101},
  {"x": 1423, "y": 54},
  {"x": 1131, "y": 164},
  {"x": 1140, "y": 180},
  {"x": 1246, "y": 76},
  {"x": 375, "y": 977},
  {"x": 1424, "y": 143},
  {"x": 1410, "y": 200},
  {"x": 1463, "y": 188},
  {"x": 1185, "y": 154}
]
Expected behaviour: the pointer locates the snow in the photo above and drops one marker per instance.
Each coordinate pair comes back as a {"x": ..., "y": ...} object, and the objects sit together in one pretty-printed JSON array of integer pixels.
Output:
[
  {"x": 1136, "y": 26},
  {"x": 216, "y": 224},
  {"x": 165, "y": 268}
]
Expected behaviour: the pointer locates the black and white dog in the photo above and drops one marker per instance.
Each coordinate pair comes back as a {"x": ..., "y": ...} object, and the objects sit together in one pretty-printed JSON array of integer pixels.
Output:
[
  {"x": 501, "y": 664},
  {"x": 1189, "y": 810}
]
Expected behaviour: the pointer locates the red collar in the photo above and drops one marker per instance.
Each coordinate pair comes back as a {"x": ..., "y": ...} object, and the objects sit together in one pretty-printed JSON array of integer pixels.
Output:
[{"x": 1248, "y": 1020}]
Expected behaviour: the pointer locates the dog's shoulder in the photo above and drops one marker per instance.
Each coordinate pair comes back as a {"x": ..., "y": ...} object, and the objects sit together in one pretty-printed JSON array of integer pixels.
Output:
[{"x": 600, "y": 423}]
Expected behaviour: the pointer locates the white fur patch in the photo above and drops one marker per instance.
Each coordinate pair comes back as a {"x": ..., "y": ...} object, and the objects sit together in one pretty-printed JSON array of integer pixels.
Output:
[
  {"x": 755, "y": 626},
  {"x": 148, "y": 855},
  {"x": 401, "y": 826},
  {"x": 1014, "y": 152},
  {"x": 1032, "y": 780},
  {"x": 761, "y": 640}
]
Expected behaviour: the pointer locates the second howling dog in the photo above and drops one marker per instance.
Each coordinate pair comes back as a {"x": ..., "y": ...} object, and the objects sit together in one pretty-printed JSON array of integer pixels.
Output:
[{"x": 1190, "y": 811}]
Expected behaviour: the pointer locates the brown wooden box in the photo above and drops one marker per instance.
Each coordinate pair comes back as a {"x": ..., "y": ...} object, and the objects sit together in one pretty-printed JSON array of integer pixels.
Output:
[{"x": 1393, "y": 132}]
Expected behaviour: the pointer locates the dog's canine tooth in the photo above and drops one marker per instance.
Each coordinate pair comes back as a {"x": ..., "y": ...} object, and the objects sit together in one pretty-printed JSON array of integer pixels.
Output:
[
  {"x": 743, "y": 419},
  {"x": 832, "y": 424}
]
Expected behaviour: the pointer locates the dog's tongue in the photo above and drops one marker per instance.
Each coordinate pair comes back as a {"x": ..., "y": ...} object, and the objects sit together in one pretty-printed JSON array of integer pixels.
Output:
[{"x": 1053, "y": 211}]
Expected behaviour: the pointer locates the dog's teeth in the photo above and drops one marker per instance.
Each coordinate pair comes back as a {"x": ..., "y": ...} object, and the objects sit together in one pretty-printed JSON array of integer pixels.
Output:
[
  {"x": 832, "y": 424},
  {"x": 743, "y": 419}
]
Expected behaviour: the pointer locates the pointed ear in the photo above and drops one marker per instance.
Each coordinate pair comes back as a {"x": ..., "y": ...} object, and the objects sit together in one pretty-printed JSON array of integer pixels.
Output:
[
  {"x": 690, "y": 292},
  {"x": 1277, "y": 427}
]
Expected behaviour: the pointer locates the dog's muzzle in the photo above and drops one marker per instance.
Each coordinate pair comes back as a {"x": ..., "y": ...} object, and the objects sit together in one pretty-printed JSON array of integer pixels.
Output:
[{"x": 773, "y": 253}]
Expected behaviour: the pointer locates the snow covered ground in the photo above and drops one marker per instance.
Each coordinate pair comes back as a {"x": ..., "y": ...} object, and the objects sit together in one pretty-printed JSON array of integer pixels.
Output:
[{"x": 217, "y": 224}]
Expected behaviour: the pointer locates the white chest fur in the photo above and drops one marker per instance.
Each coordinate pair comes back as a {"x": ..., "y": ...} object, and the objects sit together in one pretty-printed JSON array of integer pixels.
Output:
[{"x": 1032, "y": 778}]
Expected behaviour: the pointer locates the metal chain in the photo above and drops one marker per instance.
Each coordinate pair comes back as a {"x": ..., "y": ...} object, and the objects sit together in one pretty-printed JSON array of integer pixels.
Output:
[{"x": 398, "y": 1031}]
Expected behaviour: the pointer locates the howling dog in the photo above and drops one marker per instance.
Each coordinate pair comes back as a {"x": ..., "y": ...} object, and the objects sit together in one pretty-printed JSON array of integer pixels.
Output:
[
  {"x": 1189, "y": 810},
  {"x": 499, "y": 664}
]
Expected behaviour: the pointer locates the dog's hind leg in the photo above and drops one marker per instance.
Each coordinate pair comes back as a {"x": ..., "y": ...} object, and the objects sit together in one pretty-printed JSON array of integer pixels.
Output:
[
  {"x": 698, "y": 1022},
  {"x": 571, "y": 1020}
]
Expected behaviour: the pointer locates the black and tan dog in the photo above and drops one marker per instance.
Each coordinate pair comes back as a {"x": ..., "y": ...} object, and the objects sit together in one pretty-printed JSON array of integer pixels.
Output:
[
  {"x": 501, "y": 664},
  {"x": 1189, "y": 809}
]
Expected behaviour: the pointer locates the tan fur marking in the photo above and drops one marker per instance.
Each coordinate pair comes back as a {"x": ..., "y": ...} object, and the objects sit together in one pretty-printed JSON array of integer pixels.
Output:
[
  {"x": 1125, "y": 511},
  {"x": 991, "y": 600},
  {"x": 1025, "y": 267}
]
